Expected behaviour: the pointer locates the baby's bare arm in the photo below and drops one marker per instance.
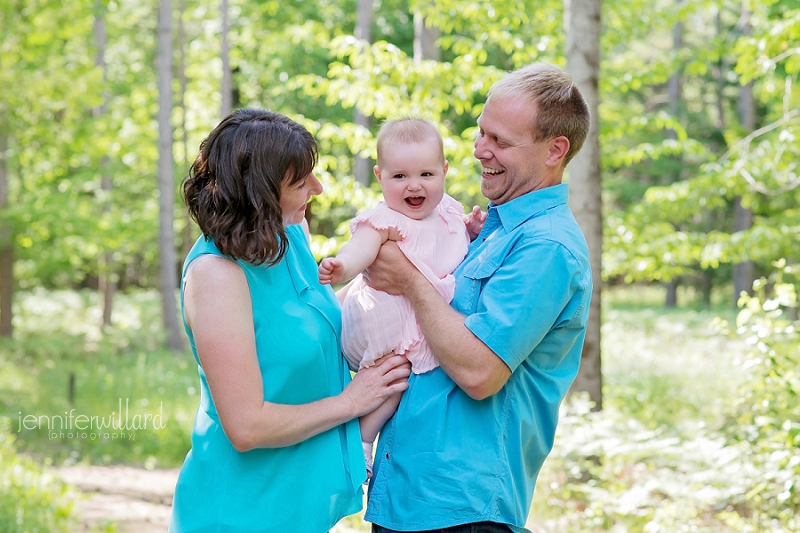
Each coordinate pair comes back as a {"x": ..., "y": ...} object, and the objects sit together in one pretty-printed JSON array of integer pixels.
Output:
[{"x": 354, "y": 256}]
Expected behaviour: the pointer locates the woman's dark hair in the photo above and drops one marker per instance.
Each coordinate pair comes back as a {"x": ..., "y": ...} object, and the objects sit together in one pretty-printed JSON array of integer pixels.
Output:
[{"x": 233, "y": 190}]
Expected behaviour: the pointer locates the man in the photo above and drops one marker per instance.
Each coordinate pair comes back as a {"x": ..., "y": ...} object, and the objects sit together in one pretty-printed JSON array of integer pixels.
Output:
[{"x": 464, "y": 449}]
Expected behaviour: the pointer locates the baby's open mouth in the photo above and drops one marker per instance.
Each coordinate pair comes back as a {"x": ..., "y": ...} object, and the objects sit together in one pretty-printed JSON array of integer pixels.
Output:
[{"x": 415, "y": 201}]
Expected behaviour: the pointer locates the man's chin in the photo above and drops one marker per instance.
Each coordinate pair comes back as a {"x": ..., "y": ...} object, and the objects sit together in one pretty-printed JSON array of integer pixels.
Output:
[{"x": 488, "y": 191}]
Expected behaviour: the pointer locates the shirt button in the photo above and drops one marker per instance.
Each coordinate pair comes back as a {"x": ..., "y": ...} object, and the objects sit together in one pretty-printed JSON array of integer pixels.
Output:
[{"x": 387, "y": 455}]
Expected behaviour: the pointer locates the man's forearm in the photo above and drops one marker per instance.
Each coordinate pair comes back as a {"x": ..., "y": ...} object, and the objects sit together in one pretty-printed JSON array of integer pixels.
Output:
[{"x": 462, "y": 355}]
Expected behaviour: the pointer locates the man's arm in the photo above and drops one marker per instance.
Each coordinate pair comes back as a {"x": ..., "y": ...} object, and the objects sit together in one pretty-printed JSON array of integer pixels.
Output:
[{"x": 466, "y": 359}]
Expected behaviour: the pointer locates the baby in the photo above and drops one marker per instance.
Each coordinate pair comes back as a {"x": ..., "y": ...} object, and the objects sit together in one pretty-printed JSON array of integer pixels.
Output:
[{"x": 431, "y": 230}]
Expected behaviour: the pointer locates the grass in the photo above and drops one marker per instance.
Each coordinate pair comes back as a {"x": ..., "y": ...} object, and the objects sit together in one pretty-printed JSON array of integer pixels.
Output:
[
  {"x": 678, "y": 446},
  {"x": 669, "y": 367},
  {"x": 60, "y": 364}
]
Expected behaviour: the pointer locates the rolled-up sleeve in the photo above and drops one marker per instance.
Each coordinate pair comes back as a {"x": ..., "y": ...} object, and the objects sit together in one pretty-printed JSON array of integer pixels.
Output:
[{"x": 523, "y": 299}]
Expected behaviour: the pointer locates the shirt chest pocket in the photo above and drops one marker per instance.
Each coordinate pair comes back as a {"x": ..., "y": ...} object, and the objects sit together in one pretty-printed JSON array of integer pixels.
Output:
[{"x": 473, "y": 279}]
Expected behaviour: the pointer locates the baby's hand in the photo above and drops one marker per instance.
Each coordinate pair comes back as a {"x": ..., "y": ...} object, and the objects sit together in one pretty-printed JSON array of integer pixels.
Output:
[
  {"x": 331, "y": 270},
  {"x": 474, "y": 222}
]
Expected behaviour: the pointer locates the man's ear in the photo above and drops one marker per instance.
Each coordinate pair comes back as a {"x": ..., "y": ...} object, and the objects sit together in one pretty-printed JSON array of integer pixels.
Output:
[{"x": 559, "y": 146}]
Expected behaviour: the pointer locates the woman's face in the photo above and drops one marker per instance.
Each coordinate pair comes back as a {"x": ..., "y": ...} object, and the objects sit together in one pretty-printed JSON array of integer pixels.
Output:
[{"x": 295, "y": 197}]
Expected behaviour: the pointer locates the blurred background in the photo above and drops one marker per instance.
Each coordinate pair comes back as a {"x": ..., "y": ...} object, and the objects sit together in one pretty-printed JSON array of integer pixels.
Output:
[{"x": 685, "y": 416}]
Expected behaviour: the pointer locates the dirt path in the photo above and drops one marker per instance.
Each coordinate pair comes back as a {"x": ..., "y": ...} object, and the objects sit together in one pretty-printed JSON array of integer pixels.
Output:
[{"x": 135, "y": 499}]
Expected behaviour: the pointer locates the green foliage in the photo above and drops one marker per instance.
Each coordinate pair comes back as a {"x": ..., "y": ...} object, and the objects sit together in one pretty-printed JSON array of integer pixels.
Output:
[
  {"x": 31, "y": 501},
  {"x": 122, "y": 373},
  {"x": 699, "y": 428},
  {"x": 682, "y": 222},
  {"x": 671, "y": 171},
  {"x": 766, "y": 416},
  {"x": 610, "y": 473}
]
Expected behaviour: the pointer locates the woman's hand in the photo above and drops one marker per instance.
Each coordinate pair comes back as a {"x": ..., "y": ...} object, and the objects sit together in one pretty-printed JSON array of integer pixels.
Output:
[
  {"x": 373, "y": 385},
  {"x": 219, "y": 311}
]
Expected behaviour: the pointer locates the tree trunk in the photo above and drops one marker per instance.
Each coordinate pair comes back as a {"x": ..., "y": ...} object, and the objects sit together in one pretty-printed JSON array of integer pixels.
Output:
[
  {"x": 107, "y": 283},
  {"x": 671, "y": 298},
  {"x": 6, "y": 240},
  {"x": 675, "y": 89},
  {"x": 362, "y": 167},
  {"x": 187, "y": 240},
  {"x": 227, "y": 76},
  {"x": 791, "y": 312},
  {"x": 425, "y": 37},
  {"x": 707, "y": 287},
  {"x": 583, "y": 63},
  {"x": 168, "y": 279},
  {"x": 722, "y": 69},
  {"x": 743, "y": 273}
]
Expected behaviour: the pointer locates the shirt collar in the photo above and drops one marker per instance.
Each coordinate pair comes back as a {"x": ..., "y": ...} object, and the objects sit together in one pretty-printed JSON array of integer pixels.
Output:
[{"x": 516, "y": 211}]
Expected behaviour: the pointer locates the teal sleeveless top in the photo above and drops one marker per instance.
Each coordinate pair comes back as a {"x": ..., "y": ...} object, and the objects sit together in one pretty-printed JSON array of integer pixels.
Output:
[{"x": 303, "y": 488}]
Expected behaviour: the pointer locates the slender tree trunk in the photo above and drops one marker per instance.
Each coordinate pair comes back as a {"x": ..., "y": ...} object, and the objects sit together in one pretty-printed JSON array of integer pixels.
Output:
[
  {"x": 186, "y": 235},
  {"x": 107, "y": 283},
  {"x": 168, "y": 279},
  {"x": 675, "y": 88},
  {"x": 743, "y": 273},
  {"x": 707, "y": 286},
  {"x": 227, "y": 76},
  {"x": 791, "y": 312},
  {"x": 362, "y": 167},
  {"x": 583, "y": 63},
  {"x": 671, "y": 297},
  {"x": 425, "y": 37},
  {"x": 6, "y": 239},
  {"x": 722, "y": 69},
  {"x": 709, "y": 274}
]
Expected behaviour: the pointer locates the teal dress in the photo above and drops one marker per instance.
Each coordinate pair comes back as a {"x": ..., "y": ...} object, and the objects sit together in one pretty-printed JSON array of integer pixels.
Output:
[{"x": 303, "y": 488}]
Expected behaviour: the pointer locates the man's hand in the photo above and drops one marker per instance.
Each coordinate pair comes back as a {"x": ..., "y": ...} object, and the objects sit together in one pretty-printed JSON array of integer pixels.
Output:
[
  {"x": 391, "y": 272},
  {"x": 331, "y": 270},
  {"x": 474, "y": 222}
]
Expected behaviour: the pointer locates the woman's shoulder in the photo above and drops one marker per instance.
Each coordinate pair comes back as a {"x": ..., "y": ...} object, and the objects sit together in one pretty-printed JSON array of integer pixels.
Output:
[{"x": 212, "y": 270}]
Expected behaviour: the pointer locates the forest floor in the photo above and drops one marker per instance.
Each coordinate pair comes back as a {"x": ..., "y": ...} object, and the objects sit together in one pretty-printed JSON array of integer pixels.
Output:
[
  {"x": 134, "y": 500},
  {"x": 124, "y": 499}
]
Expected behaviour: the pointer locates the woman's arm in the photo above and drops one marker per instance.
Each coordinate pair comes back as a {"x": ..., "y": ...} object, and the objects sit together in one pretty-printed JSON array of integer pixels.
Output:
[{"x": 218, "y": 310}]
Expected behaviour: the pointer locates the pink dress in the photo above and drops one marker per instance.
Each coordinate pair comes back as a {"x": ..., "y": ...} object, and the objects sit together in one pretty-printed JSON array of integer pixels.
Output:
[{"x": 375, "y": 323}]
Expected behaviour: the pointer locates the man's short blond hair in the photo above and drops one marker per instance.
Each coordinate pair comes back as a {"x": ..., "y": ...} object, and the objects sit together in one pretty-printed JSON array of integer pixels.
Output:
[
  {"x": 407, "y": 130},
  {"x": 560, "y": 107}
]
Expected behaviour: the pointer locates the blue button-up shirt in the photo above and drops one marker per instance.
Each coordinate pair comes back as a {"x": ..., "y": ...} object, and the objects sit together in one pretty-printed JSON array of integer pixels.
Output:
[{"x": 446, "y": 459}]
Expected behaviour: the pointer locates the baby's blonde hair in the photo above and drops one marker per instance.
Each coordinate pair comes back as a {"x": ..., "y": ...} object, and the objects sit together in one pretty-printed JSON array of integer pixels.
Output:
[{"x": 407, "y": 130}]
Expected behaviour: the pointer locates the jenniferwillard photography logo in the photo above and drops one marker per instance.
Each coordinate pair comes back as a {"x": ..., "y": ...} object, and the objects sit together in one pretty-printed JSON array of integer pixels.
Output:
[{"x": 120, "y": 424}]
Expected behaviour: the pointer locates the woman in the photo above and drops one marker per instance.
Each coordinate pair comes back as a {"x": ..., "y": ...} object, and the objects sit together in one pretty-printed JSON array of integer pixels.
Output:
[{"x": 275, "y": 445}]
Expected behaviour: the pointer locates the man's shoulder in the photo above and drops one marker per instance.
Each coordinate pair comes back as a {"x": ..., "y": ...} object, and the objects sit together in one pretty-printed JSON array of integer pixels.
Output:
[{"x": 556, "y": 225}]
